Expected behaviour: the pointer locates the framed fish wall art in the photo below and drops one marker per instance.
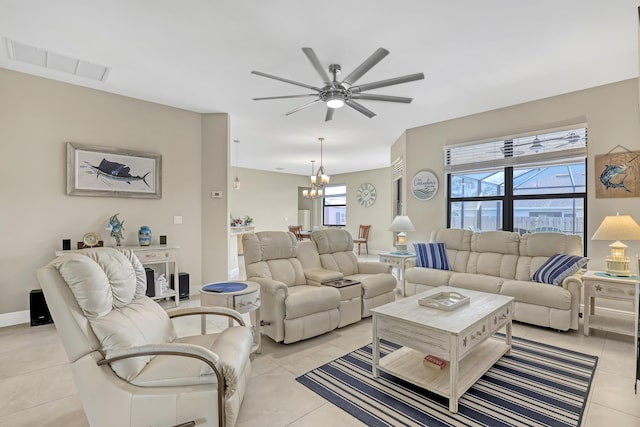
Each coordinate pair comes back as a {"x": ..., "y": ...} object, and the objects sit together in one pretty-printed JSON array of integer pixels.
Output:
[
  {"x": 112, "y": 172},
  {"x": 618, "y": 175}
]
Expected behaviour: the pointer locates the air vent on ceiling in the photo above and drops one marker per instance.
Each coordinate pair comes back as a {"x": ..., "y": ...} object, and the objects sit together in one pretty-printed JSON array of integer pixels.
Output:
[{"x": 55, "y": 61}]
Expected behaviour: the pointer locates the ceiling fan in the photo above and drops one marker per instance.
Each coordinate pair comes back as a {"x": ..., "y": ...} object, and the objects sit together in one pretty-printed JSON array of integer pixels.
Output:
[{"x": 337, "y": 94}]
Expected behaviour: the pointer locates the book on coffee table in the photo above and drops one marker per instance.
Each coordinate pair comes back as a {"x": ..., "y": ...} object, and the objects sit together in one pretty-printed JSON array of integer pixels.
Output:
[{"x": 434, "y": 362}]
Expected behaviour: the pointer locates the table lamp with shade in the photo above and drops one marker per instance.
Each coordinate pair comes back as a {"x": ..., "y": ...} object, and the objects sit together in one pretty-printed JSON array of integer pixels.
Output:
[
  {"x": 618, "y": 227},
  {"x": 401, "y": 224}
]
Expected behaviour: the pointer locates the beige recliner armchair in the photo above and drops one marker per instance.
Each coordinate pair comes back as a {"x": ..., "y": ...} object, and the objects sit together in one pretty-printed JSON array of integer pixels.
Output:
[
  {"x": 335, "y": 247},
  {"x": 291, "y": 310},
  {"x": 129, "y": 366}
]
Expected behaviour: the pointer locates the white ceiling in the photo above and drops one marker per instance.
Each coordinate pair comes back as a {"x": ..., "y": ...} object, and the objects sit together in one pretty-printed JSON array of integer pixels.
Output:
[{"x": 198, "y": 55}]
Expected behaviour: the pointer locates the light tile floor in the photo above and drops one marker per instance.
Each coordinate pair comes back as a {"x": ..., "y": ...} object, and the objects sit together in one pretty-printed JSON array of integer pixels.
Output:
[{"x": 37, "y": 389}]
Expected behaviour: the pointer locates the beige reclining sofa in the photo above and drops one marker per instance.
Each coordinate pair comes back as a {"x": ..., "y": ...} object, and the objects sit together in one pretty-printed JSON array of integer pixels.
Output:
[
  {"x": 503, "y": 262},
  {"x": 295, "y": 305}
]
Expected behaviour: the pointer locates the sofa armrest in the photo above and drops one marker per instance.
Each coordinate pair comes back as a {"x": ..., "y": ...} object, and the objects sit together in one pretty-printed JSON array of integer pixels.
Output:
[
  {"x": 373, "y": 267},
  {"x": 316, "y": 276},
  {"x": 411, "y": 262},
  {"x": 271, "y": 286},
  {"x": 573, "y": 284}
]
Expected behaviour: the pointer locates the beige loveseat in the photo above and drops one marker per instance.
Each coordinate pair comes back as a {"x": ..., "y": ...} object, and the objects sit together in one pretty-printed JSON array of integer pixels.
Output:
[
  {"x": 295, "y": 305},
  {"x": 503, "y": 262}
]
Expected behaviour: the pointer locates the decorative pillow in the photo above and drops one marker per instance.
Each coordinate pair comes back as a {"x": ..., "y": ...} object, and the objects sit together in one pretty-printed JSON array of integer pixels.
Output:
[
  {"x": 431, "y": 255},
  {"x": 558, "y": 267}
]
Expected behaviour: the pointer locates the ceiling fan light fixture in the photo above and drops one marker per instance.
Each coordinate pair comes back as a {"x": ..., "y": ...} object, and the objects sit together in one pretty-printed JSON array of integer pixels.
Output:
[{"x": 335, "y": 101}]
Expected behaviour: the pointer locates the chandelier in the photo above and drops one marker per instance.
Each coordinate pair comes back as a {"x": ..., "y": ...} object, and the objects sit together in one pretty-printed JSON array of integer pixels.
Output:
[
  {"x": 320, "y": 179},
  {"x": 315, "y": 191}
]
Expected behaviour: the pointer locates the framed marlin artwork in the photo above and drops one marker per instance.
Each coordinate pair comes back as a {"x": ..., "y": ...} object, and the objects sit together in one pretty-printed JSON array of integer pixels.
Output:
[
  {"x": 112, "y": 172},
  {"x": 618, "y": 175}
]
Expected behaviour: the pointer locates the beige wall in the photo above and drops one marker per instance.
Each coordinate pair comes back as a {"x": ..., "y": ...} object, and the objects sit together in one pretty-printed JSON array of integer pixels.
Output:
[
  {"x": 378, "y": 215},
  {"x": 272, "y": 200},
  {"x": 611, "y": 112},
  {"x": 37, "y": 118},
  {"x": 214, "y": 232}
]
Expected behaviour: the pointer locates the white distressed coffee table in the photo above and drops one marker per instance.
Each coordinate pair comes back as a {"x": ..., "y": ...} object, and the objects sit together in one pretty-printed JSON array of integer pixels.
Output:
[{"x": 462, "y": 336}]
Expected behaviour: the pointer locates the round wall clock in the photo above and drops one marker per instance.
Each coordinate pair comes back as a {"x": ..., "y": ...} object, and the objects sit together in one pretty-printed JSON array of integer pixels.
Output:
[
  {"x": 424, "y": 185},
  {"x": 367, "y": 194}
]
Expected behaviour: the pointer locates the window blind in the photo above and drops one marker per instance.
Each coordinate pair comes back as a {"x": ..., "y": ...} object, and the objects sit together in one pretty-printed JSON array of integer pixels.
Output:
[
  {"x": 545, "y": 147},
  {"x": 397, "y": 168}
]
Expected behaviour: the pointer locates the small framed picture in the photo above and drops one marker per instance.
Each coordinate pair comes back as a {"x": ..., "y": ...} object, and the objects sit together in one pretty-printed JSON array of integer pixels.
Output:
[
  {"x": 109, "y": 172},
  {"x": 424, "y": 185}
]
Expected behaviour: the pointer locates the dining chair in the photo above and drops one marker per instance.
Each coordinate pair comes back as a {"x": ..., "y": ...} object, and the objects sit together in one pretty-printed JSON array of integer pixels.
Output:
[
  {"x": 363, "y": 238},
  {"x": 296, "y": 230}
]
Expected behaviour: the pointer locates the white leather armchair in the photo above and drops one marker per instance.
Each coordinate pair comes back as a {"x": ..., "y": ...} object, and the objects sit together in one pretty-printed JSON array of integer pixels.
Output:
[
  {"x": 129, "y": 366},
  {"x": 291, "y": 309},
  {"x": 335, "y": 247}
]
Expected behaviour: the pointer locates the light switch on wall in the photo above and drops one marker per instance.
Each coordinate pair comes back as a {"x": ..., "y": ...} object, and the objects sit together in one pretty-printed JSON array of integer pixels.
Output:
[{"x": 177, "y": 219}]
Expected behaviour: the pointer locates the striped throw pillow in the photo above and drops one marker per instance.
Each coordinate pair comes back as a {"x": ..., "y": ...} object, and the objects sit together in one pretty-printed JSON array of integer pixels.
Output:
[
  {"x": 557, "y": 268},
  {"x": 431, "y": 255}
]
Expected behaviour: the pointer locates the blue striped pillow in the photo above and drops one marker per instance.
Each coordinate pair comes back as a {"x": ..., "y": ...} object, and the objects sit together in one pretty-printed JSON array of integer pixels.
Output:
[
  {"x": 431, "y": 255},
  {"x": 557, "y": 268}
]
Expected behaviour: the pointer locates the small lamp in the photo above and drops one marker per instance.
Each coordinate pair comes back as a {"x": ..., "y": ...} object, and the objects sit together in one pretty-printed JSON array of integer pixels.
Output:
[
  {"x": 401, "y": 224},
  {"x": 618, "y": 227}
]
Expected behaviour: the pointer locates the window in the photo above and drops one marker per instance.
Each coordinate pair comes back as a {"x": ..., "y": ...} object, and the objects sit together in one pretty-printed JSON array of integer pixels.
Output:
[
  {"x": 334, "y": 205},
  {"x": 525, "y": 184}
]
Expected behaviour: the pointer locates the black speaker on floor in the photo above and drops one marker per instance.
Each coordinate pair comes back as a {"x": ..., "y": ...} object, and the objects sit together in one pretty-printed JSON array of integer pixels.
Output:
[
  {"x": 38, "y": 307},
  {"x": 183, "y": 285},
  {"x": 151, "y": 283}
]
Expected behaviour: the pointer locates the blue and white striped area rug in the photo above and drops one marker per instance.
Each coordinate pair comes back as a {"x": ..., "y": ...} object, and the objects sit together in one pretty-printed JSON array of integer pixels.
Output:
[{"x": 538, "y": 385}]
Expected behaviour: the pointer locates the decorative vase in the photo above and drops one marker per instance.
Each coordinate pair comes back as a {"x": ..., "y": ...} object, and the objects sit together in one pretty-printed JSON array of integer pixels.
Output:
[{"x": 144, "y": 236}]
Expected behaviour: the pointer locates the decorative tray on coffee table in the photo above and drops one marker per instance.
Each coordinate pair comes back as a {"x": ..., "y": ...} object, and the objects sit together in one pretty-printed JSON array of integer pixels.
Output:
[
  {"x": 444, "y": 300},
  {"x": 340, "y": 283}
]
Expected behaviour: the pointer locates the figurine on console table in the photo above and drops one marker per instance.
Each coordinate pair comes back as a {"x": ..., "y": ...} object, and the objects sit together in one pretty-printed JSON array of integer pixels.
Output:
[{"x": 116, "y": 227}]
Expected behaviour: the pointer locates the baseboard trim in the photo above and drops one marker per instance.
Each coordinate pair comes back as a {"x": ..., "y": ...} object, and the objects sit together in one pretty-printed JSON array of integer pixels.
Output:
[{"x": 15, "y": 318}]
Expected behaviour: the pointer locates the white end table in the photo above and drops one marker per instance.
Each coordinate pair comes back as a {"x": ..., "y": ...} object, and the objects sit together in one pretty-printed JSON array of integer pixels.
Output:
[
  {"x": 399, "y": 262},
  {"x": 243, "y": 301},
  {"x": 597, "y": 284}
]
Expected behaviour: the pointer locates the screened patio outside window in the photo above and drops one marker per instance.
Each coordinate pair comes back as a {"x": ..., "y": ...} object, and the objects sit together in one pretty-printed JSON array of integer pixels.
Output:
[{"x": 526, "y": 188}]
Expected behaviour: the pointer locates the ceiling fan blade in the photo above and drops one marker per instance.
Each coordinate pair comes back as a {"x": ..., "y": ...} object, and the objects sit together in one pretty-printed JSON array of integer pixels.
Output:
[
  {"x": 388, "y": 98},
  {"x": 302, "y": 107},
  {"x": 368, "y": 64},
  {"x": 269, "y": 76},
  {"x": 284, "y": 97},
  {"x": 360, "y": 108},
  {"x": 311, "y": 55},
  {"x": 387, "y": 82},
  {"x": 329, "y": 115}
]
